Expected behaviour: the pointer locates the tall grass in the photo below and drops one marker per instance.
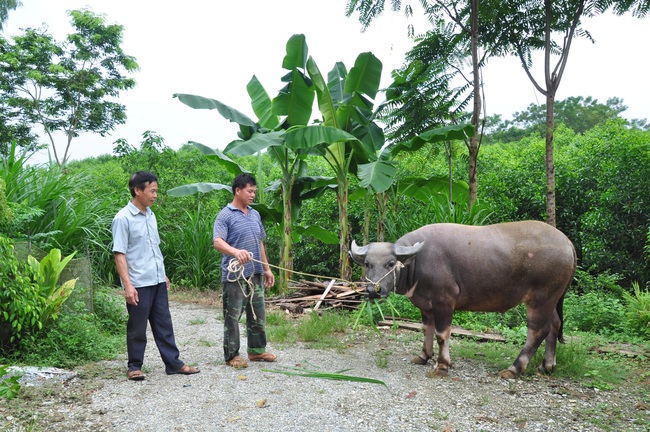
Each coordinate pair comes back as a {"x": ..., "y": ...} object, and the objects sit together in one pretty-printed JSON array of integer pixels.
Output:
[
  {"x": 190, "y": 254},
  {"x": 56, "y": 209}
]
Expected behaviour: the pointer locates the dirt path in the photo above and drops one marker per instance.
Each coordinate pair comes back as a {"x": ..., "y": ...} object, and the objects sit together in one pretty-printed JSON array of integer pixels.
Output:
[{"x": 220, "y": 398}]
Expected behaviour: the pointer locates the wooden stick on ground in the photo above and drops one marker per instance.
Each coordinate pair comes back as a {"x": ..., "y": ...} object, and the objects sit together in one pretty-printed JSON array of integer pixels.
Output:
[{"x": 327, "y": 290}]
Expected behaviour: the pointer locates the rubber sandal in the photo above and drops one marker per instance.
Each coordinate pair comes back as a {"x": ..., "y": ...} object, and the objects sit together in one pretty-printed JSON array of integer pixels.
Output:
[
  {"x": 267, "y": 357},
  {"x": 185, "y": 370},
  {"x": 237, "y": 362},
  {"x": 135, "y": 375}
]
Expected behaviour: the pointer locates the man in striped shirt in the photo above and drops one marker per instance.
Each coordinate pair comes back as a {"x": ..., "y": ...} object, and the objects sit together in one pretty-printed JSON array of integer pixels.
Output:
[{"x": 238, "y": 234}]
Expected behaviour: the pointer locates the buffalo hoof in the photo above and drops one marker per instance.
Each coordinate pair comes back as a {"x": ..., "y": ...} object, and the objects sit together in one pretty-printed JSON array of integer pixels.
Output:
[
  {"x": 508, "y": 374},
  {"x": 419, "y": 360},
  {"x": 543, "y": 369},
  {"x": 437, "y": 372}
]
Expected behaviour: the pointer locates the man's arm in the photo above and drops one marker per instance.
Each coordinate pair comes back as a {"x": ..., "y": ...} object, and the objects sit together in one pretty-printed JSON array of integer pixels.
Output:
[
  {"x": 242, "y": 255},
  {"x": 130, "y": 293}
]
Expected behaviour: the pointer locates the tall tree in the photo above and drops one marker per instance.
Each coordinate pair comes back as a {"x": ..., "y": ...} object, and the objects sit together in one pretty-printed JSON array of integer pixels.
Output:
[
  {"x": 5, "y": 7},
  {"x": 460, "y": 42},
  {"x": 550, "y": 27},
  {"x": 68, "y": 86}
]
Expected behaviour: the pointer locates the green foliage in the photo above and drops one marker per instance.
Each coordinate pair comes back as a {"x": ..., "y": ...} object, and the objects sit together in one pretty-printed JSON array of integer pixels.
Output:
[
  {"x": 611, "y": 176},
  {"x": 21, "y": 301},
  {"x": 190, "y": 251},
  {"x": 637, "y": 314},
  {"x": 46, "y": 274},
  {"x": 319, "y": 328},
  {"x": 6, "y": 215},
  {"x": 78, "y": 337},
  {"x": 31, "y": 295},
  {"x": 56, "y": 208},
  {"x": 9, "y": 385},
  {"x": 67, "y": 86},
  {"x": 577, "y": 113},
  {"x": 596, "y": 312}
]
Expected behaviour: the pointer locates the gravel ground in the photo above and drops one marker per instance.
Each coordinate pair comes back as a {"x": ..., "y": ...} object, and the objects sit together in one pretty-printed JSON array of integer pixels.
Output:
[{"x": 471, "y": 398}]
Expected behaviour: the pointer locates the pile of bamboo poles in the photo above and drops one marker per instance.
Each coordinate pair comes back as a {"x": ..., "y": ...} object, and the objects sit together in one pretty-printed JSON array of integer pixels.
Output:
[{"x": 316, "y": 295}]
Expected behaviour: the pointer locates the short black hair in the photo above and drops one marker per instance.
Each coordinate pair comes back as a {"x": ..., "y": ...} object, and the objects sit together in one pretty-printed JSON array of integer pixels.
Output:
[
  {"x": 140, "y": 180},
  {"x": 242, "y": 180}
]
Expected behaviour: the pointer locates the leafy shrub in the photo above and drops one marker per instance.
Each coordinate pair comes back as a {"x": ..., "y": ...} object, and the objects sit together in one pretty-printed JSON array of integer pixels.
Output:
[
  {"x": 595, "y": 311},
  {"x": 21, "y": 302},
  {"x": 78, "y": 337},
  {"x": 637, "y": 315},
  {"x": 9, "y": 385},
  {"x": 46, "y": 274},
  {"x": 109, "y": 310}
]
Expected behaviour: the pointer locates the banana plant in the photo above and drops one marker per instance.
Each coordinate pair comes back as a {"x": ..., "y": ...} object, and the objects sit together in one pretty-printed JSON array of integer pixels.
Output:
[
  {"x": 291, "y": 107},
  {"x": 46, "y": 274}
]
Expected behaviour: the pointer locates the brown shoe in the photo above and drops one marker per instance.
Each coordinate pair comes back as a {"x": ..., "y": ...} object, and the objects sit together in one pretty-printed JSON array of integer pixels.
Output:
[
  {"x": 267, "y": 357},
  {"x": 135, "y": 375},
  {"x": 185, "y": 370},
  {"x": 237, "y": 362}
]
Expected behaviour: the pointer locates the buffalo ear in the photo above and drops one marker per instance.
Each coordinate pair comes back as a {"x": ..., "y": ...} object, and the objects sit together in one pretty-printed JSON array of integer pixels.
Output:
[
  {"x": 358, "y": 254},
  {"x": 406, "y": 253}
]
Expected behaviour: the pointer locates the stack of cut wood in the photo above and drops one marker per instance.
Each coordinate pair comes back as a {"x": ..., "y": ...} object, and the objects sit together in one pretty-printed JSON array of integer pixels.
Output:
[{"x": 317, "y": 295}]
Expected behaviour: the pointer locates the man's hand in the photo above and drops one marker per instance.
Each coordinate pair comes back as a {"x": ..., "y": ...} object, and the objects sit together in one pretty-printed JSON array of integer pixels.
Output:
[
  {"x": 269, "y": 279},
  {"x": 243, "y": 256},
  {"x": 131, "y": 295}
]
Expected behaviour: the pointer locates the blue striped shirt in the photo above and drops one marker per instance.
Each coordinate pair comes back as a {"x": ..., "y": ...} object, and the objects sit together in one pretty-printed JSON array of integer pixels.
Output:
[{"x": 240, "y": 231}]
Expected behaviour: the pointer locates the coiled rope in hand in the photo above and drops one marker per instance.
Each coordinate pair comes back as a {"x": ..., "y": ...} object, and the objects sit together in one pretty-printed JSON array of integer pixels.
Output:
[{"x": 236, "y": 274}]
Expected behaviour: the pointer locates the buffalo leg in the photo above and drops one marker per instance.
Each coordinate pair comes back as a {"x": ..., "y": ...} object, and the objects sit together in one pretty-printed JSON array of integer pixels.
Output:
[
  {"x": 549, "y": 364},
  {"x": 443, "y": 332},
  {"x": 427, "y": 345},
  {"x": 539, "y": 327}
]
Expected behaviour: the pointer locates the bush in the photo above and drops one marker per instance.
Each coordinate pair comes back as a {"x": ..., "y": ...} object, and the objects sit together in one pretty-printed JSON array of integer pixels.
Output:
[
  {"x": 596, "y": 312},
  {"x": 21, "y": 301},
  {"x": 637, "y": 315},
  {"x": 78, "y": 337}
]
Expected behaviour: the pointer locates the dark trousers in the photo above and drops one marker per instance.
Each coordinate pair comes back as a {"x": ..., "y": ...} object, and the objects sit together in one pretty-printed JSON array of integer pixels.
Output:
[
  {"x": 237, "y": 298},
  {"x": 153, "y": 307}
]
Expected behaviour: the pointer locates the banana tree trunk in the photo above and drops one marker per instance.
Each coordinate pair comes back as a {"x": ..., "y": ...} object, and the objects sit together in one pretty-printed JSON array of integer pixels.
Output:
[
  {"x": 344, "y": 240},
  {"x": 286, "y": 253}
]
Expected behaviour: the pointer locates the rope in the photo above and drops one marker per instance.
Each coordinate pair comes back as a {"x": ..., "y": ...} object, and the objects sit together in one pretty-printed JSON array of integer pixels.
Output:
[
  {"x": 236, "y": 269},
  {"x": 398, "y": 266},
  {"x": 236, "y": 273}
]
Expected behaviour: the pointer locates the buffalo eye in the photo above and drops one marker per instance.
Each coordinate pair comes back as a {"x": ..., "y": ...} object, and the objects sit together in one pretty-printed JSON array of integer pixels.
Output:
[{"x": 390, "y": 264}]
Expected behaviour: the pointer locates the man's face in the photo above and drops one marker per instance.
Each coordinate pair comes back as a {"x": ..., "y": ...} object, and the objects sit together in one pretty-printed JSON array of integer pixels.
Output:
[
  {"x": 246, "y": 195},
  {"x": 148, "y": 195}
]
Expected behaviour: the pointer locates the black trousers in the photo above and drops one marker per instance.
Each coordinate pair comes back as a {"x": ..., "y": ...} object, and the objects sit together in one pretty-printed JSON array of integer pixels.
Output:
[{"x": 153, "y": 307}]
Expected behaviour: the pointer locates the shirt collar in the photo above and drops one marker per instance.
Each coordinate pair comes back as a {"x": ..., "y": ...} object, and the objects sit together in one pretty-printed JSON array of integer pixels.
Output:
[
  {"x": 134, "y": 210},
  {"x": 232, "y": 207}
]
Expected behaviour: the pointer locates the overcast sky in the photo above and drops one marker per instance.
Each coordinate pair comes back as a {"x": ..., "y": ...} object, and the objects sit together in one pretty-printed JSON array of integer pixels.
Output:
[{"x": 213, "y": 49}]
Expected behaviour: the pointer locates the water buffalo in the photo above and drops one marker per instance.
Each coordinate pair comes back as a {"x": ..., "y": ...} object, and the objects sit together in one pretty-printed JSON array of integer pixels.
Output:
[{"x": 446, "y": 267}]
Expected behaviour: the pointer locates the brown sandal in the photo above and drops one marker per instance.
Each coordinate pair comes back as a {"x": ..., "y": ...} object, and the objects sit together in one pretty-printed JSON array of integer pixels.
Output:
[
  {"x": 267, "y": 357},
  {"x": 135, "y": 375},
  {"x": 185, "y": 370},
  {"x": 237, "y": 362}
]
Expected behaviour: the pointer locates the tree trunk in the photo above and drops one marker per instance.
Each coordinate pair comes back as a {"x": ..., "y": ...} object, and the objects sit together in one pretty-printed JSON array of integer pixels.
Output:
[
  {"x": 476, "y": 113},
  {"x": 550, "y": 159},
  {"x": 286, "y": 254},
  {"x": 342, "y": 197}
]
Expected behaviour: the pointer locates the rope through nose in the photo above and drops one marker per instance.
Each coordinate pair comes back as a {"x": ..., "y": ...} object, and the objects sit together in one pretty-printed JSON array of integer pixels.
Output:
[{"x": 398, "y": 266}]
